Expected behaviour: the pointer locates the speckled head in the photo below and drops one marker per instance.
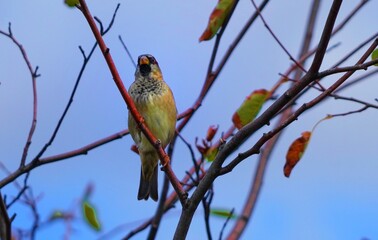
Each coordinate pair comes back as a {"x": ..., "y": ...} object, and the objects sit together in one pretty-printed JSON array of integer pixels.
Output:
[{"x": 146, "y": 64}]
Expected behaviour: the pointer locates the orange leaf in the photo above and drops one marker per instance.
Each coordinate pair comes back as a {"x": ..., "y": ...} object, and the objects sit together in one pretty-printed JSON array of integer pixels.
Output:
[
  {"x": 295, "y": 152},
  {"x": 211, "y": 131}
]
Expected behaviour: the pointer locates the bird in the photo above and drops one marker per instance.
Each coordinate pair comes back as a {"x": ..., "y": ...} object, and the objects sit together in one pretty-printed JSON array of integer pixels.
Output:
[{"x": 155, "y": 102}]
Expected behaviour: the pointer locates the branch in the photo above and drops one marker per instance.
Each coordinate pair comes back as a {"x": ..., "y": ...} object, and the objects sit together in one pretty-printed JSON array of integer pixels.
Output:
[
  {"x": 256, "y": 184},
  {"x": 303, "y": 108},
  {"x": 334, "y": 66},
  {"x": 78, "y": 79},
  {"x": 127, "y": 51},
  {"x": 38, "y": 161},
  {"x": 362, "y": 66},
  {"x": 172, "y": 198},
  {"x": 356, "y": 49},
  {"x": 34, "y": 76},
  {"x": 357, "y": 80},
  {"x": 276, "y": 38},
  {"x": 313, "y": 50},
  {"x": 210, "y": 78},
  {"x": 58, "y": 157},
  {"x": 5, "y": 222},
  {"x": 218, "y": 39},
  {"x": 160, "y": 210},
  {"x": 249, "y": 129}
]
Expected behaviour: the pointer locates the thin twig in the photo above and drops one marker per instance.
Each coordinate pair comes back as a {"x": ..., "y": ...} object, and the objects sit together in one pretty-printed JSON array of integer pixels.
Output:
[
  {"x": 276, "y": 38},
  {"x": 357, "y": 80},
  {"x": 356, "y": 49},
  {"x": 197, "y": 166},
  {"x": 34, "y": 76},
  {"x": 348, "y": 113},
  {"x": 127, "y": 51},
  {"x": 225, "y": 223},
  {"x": 363, "y": 66},
  {"x": 206, "y": 202},
  {"x": 218, "y": 39},
  {"x": 210, "y": 79}
]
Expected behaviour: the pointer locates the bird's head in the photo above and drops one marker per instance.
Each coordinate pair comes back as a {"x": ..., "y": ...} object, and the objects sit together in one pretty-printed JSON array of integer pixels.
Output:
[{"x": 148, "y": 66}]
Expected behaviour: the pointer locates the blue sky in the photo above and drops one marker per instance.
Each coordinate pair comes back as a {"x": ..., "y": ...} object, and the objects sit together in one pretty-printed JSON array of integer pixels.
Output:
[{"x": 332, "y": 192}]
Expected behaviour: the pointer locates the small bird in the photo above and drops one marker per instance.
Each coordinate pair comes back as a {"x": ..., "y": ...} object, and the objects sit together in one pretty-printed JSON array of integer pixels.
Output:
[{"x": 155, "y": 102}]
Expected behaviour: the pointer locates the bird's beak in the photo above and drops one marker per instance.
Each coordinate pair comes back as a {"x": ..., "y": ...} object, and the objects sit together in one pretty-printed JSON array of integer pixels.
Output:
[{"x": 144, "y": 60}]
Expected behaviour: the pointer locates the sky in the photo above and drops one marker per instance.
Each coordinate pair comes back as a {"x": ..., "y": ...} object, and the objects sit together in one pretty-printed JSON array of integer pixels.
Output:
[{"x": 331, "y": 193}]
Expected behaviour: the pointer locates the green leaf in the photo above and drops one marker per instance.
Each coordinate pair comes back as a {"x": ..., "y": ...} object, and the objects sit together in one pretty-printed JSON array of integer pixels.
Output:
[
  {"x": 374, "y": 55},
  {"x": 250, "y": 108},
  {"x": 221, "y": 212},
  {"x": 90, "y": 216},
  {"x": 217, "y": 18},
  {"x": 71, "y": 3},
  {"x": 211, "y": 153}
]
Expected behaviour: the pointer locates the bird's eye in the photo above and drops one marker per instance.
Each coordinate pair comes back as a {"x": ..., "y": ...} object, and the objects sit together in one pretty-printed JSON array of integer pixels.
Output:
[{"x": 152, "y": 60}]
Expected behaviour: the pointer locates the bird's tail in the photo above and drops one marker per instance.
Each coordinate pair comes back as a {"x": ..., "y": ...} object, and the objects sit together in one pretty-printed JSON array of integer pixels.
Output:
[{"x": 148, "y": 185}]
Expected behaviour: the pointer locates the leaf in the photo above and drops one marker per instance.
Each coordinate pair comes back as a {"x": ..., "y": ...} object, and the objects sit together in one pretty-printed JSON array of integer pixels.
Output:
[
  {"x": 224, "y": 213},
  {"x": 90, "y": 216},
  {"x": 295, "y": 152},
  {"x": 211, "y": 153},
  {"x": 249, "y": 108},
  {"x": 374, "y": 55},
  {"x": 71, "y": 3},
  {"x": 216, "y": 19}
]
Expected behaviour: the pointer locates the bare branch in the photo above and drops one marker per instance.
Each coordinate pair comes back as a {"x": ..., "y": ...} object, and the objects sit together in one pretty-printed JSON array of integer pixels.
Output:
[
  {"x": 83, "y": 150},
  {"x": 276, "y": 38},
  {"x": 225, "y": 223},
  {"x": 127, "y": 51},
  {"x": 362, "y": 66},
  {"x": 34, "y": 76},
  {"x": 71, "y": 99}
]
